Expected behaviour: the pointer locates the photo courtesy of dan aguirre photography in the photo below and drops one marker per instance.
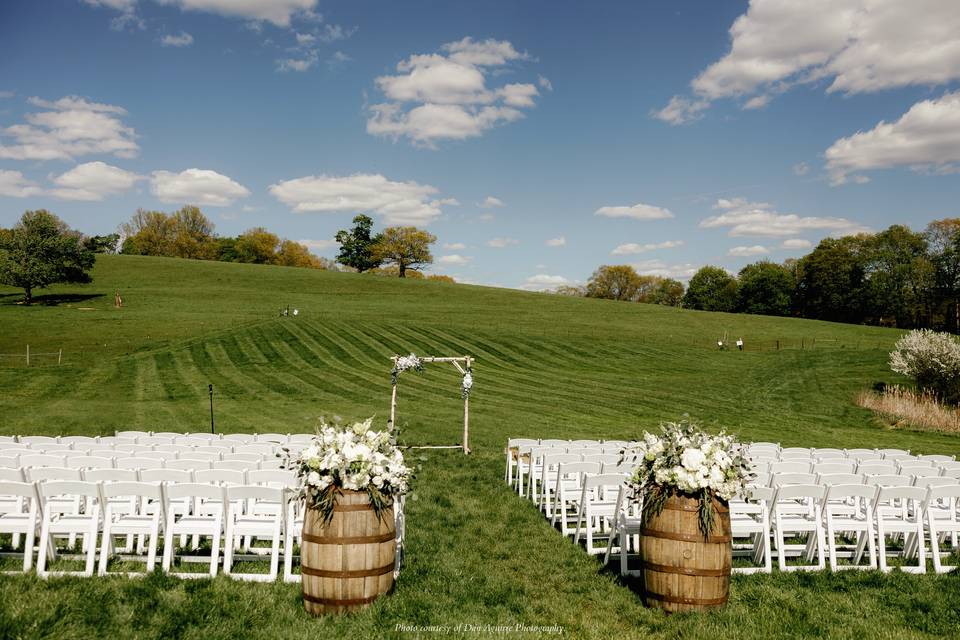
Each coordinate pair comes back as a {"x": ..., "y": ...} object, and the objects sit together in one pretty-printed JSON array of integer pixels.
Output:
[{"x": 422, "y": 319}]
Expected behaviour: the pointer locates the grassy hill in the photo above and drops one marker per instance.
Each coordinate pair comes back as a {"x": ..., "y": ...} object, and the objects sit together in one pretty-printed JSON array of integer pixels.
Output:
[{"x": 547, "y": 366}]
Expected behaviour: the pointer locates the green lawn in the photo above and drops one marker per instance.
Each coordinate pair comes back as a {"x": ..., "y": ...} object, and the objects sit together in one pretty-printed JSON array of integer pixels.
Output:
[{"x": 547, "y": 366}]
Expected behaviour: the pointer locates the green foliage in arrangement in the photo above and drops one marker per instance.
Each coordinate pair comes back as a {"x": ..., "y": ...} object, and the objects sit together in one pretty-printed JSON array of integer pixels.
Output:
[{"x": 548, "y": 366}]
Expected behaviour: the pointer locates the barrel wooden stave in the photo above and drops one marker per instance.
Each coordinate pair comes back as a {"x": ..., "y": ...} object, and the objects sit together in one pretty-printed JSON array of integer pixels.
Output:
[
  {"x": 681, "y": 570},
  {"x": 349, "y": 563}
]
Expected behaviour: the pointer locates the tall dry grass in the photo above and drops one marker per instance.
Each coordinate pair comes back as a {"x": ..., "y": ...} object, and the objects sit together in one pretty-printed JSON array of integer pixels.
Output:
[{"x": 906, "y": 408}]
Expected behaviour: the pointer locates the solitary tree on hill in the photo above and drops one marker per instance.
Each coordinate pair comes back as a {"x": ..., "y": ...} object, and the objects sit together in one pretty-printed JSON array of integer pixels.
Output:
[
  {"x": 41, "y": 250},
  {"x": 711, "y": 289},
  {"x": 356, "y": 245},
  {"x": 615, "y": 282},
  {"x": 405, "y": 247}
]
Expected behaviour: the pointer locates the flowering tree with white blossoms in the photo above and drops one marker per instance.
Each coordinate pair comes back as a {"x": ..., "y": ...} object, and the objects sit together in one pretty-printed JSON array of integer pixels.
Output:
[
  {"x": 689, "y": 462},
  {"x": 932, "y": 359},
  {"x": 354, "y": 458}
]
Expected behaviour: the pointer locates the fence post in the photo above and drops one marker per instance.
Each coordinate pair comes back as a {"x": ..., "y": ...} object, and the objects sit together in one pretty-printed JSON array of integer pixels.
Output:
[
  {"x": 59, "y": 356},
  {"x": 778, "y": 345},
  {"x": 28, "y": 355}
]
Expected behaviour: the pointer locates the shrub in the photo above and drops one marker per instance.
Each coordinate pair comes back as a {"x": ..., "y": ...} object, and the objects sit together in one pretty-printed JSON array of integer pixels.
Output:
[{"x": 932, "y": 359}]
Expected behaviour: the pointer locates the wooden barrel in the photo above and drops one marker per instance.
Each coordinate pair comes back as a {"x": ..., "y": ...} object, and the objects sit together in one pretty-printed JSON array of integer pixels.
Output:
[
  {"x": 682, "y": 571},
  {"x": 349, "y": 563}
]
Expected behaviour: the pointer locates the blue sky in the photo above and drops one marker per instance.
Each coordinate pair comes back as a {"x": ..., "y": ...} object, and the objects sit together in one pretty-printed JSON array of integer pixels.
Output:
[{"x": 537, "y": 140}]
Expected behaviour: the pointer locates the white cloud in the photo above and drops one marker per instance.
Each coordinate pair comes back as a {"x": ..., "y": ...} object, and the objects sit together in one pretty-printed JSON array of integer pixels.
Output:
[
  {"x": 454, "y": 246},
  {"x": 557, "y": 242},
  {"x": 449, "y": 94},
  {"x": 801, "y": 169},
  {"x": 490, "y": 202},
  {"x": 70, "y": 127},
  {"x": 746, "y": 252},
  {"x": 319, "y": 245},
  {"x": 304, "y": 63},
  {"x": 6, "y": 94},
  {"x": 545, "y": 282},
  {"x": 544, "y": 83},
  {"x": 196, "y": 187},
  {"x": 334, "y": 32},
  {"x": 337, "y": 59},
  {"x": 760, "y": 219},
  {"x": 500, "y": 243},
  {"x": 858, "y": 46},
  {"x": 796, "y": 243},
  {"x": 397, "y": 202},
  {"x": 665, "y": 270},
  {"x": 278, "y": 12},
  {"x": 13, "y": 184},
  {"x": 93, "y": 181},
  {"x": 638, "y": 211},
  {"x": 925, "y": 138},
  {"x": 183, "y": 39},
  {"x": 487, "y": 217},
  {"x": 633, "y": 248},
  {"x": 454, "y": 259},
  {"x": 680, "y": 110}
]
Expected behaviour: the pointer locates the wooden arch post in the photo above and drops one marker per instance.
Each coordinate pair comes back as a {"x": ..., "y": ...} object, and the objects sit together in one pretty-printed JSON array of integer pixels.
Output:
[{"x": 463, "y": 364}]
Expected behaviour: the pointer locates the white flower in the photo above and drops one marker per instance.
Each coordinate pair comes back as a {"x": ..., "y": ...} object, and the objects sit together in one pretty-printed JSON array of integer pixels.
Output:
[{"x": 692, "y": 459}]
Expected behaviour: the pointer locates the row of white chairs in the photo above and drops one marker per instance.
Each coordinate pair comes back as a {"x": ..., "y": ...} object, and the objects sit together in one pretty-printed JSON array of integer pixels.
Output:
[
  {"x": 590, "y": 501},
  {"x": 524, "y": 454},
  {"x": 165, "y": 437},
  {"x": 143, "y": 460},
  {"x": 220, "y": 448},
  {"x": 846, "y": 465},
  {"x": 774, "y": 452},
  {"x": 232, "y": 516}
]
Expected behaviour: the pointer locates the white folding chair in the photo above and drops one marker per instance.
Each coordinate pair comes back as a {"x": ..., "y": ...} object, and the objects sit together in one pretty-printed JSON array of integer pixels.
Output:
[
  {"x": 292, "y": 531},
  {"x": 796, "y": 466},
  {"x": 133, "y": 435},
  {"x": 19, "y": 516},
  {"x": 87, "y": 462},
  {"x": 567, "y": 491},
  {"x": 80, "y": 442},
  {"x": 889, "y": 453},
  {"x": 41, "y": 460},
  {"x": 829, "y": 453},
  {"x": 624, "y": 530},
  {"x": 220, "y": 476},
  {"x": 9, "y": 462},
  {"x": 278, "y": 438},
  {"x": 548, "y": 477},
  {"x": 238, "y": 437},
  {"x": 59, "y": 518},
  {"x": 38, "y": 440},
  {"x": 858, "y": 453},
  {"x": 131, "y": 508},
  {"x": 244, "y": 521},
  {"x": 796, "y": 510},
  {"x": 877, "y": 467},
  {"x": 110, "y": 475},
  {"x": 39, "y": 474},
  {"x": 244, "y": 457},
  {"x": 234, "y": 465},
  {"x": 279, "y": 478},
  {"x": 300, "y": 439},
  {"x": 598, "y": 501},
  {"x": 938, "y": 458},
  {"x": 137, "y": 463},
  {"x": 842, "y": 517},
  {"x": 750, "y": 518},
  {"x": 261, "y": 448},
  {"x": 940, "y": 508},
  {"x": 131, "y": 450},
  {"x": 208, "y": 523},
  {"x": 189, "y": 441},
  {"x": 187, "y": 464},
  {"x": 898, "y": 510},
  {"x": 846, "y": 466},
  {"x": 513, "y": 453},
  {"x": 535, "y": 469}
]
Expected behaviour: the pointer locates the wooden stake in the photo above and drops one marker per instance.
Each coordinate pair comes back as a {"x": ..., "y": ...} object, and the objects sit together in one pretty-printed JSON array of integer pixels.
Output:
[
  {"x": 28, "y": 355},
  {"x": 59, "y": 356}
]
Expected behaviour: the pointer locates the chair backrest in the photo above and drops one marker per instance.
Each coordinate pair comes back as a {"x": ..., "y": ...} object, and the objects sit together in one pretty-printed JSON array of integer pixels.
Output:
[
  {"x": 863, "y": 457},
  {"x": 9, "y": 462},
  {"x": 169, "y": 434},
  {"x": 104, "y": 452},
  {"x": 35, "y": 440},
  {"x": 852, "y": 453},
  {"x": 218, "y": 449},
  {"x": 11, "y": 474},
  {"x": 238, "y": 437},
  {"x": 938, "y": 458},
  {"x": 79, "y": 440},
  {"x": 301, "y": 438},
  {"x": 261, "y": 448},
  {"x": 934, "y": 482},
  {"x": 132, "y": 434},
  {"x": 841, "y": 491},
  {"x": 947, "y": 473},
  {"x": 208, "y": 437},
  {"x": 557, "y": 458},
  {"x": 829, "y": 453},
  {"x": 194, "y": 490},
  {"x": 888, "y": 480},
  {"x": 585, "y": 451},
  {"x": 579, "y": 467},
  {"x": 17, "y": 489},
  {"x": 166, "y": 475},
  {"x": 53, "y": 488},
  {"x": 188, "y": 441},
  {"x": 943, "y": 491},
  {"x": 886, "y": 494},
  {"x": 188, "y": 464},
  {"x": 220, "y": 476},
  {"x": 839, "y": 478},
  {"x": 799, "y": 450},
  {"x": 254, "y": 492},
  {"x": 136, "y": 463},
  {"x": 155, "y": 440},
  {"x": 201, "y": 455},
  {"x": 893, "y": 452},
  {"x": 273, "y": 477},
  {"x": 877, "y": 467},
  {"x": 59, "y": 449},
  {"x": 38, "y": 474},
  {"x": 149, "y": 490},
  {"x": 784, "y": 479},
  {"x": 132, "y": 449},
  {"x": 760, "y": 480},
  {"x": 757, "y": 493},
  {"x": 41, "y": 460},
  {"x": 172, "y": 449},
  {"x": 602, "y": 458},
  {"x": 245, "y": 457},
  {"x": 575, "y": 443},
  {"x": 794, "y": 491},
  {"x": 835, "y": 467},
  {"x": 279, "y": 438},
  {"x": 156, "y": 455},
  {"x": 613, "y": 467},
  {"x": 603, "y": 480},
  {"x": 790, "y": 467},
  {"x": 234, "y": 465},
  {"x": 922, "y": 473},
  {"x": 110, "y": 475}
]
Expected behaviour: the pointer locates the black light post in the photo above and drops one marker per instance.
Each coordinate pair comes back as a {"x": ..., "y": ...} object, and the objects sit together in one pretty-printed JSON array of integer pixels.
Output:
[{"x": 211, "y": 408}]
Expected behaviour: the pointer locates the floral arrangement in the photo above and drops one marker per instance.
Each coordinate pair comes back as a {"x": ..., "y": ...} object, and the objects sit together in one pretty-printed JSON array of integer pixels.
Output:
[
  {"x": 405, "y": 363},
  {"x": 355, "y": 458},
  {"x": 466, "y": 384},
  {"x": 687, "y": 461}
]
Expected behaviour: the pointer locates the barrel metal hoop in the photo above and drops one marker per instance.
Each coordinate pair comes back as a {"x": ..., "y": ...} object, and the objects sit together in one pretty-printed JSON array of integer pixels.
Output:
[
  {"x": 685, "y": 571},
  {"x": 353, "y": 507},
  {"x": 339, "y": 603},
  {"x": 682, "y": 507},
  {"x": 707, "y": 602},
  {"x": 384, "y": 537},
  {"x": 356, "y": 573},
  {"x": 683, "y": 537}
]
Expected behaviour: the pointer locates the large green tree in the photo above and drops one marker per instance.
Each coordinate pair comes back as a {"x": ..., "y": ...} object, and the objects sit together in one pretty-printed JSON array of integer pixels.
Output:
[
  {"x": 943, "y": 242},
  {"x": 615, "y": 282},
  {"x": 900, "y": 277},
  {"x": 711, "y": 289},
  {"x": 40, "y": 251},
  {"x": 832, "y": 280},
  {"x": 667, "y": 292},
  {"x": 357, "y": 245},
  {"x": 404, "y": 247},
  {"x": 765, "y": 288}
]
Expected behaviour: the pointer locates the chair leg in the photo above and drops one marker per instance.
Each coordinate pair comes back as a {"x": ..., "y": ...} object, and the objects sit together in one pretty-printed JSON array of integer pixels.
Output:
[
  {"x": 228, "y": 547},
  {"x": 46, "y": 546},
  {"x": 106, "y": 548},
  {"x": 152, "y": 548},
  {"x": 28, "y": 547}
]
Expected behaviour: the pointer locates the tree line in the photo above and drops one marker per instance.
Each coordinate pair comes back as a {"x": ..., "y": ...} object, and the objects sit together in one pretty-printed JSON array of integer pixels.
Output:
[{"x": 897, "y": 277}]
